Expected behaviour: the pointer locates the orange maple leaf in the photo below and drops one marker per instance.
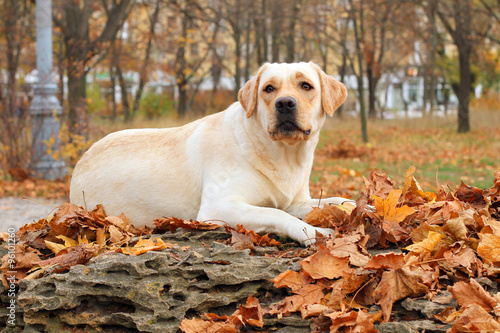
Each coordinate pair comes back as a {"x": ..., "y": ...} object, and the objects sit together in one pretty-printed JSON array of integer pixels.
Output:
[{"x": 388, "y": 210}]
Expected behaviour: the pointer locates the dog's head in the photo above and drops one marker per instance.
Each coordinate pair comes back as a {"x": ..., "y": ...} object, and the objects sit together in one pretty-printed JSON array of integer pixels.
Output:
[{"x": 291, "y": 100}]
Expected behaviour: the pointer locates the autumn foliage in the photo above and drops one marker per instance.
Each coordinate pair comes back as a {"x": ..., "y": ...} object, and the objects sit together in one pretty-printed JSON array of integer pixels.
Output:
[{"x": 448, "y": 238}]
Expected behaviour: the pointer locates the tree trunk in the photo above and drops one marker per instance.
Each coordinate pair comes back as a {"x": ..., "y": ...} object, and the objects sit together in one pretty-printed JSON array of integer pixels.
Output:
[
  {"x": 361, "y": 95},
  {"x": 77, "y": 102},
  {"x": 276, "y": 18},
  {"x": 123, "y": 88},
  {"x": 112, "y": 76},
  {"x": 343, "y": 69},
  {"x": 247, "y": 46},
  {"x": 290, "y": 44},
  {"x": 372, "y": 112},
  {"x": 464, "y": 89},
  {"x": 143, "y": 75}
]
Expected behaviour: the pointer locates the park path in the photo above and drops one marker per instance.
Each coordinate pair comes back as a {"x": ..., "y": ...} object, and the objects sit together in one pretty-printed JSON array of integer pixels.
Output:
[{"x": 16, "y": 212}]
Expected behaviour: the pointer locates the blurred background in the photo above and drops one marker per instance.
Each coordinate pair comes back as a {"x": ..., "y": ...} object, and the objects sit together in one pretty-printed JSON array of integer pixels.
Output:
[{"x": 423, "y": 79}]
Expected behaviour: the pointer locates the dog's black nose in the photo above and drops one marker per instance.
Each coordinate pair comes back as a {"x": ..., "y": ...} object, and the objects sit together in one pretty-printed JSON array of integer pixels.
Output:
[{"x": 285, "y": 104}]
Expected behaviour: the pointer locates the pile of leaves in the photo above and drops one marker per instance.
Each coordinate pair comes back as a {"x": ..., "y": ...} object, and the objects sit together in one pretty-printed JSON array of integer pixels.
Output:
[
  {"x": 72, "y": 236},
  {"x": 448, "y": 237}
]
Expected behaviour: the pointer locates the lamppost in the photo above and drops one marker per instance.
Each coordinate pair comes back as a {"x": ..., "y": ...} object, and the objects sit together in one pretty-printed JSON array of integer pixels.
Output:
[{"x": 45, "y": 109}]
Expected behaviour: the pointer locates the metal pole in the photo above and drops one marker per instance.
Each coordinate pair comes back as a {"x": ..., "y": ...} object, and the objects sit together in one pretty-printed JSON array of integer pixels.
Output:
[{"x": 45, "y": 109}]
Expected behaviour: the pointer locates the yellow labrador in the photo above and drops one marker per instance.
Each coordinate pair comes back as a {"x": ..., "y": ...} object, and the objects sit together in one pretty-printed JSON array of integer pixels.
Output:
[{"x": 249, "y": 164}]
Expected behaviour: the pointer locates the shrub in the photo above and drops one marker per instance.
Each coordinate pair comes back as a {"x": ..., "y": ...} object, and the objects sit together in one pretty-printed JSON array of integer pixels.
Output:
[{"x": 155, "y": 105}]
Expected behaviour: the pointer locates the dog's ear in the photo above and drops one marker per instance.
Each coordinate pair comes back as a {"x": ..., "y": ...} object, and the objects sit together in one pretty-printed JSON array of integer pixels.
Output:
[
  {"x": 248, "y": 95},
  {"x": 333, "y": 92}
]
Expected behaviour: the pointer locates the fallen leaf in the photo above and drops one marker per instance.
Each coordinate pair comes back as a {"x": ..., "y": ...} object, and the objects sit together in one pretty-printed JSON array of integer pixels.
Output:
[
  {"x": 199, "y": 325},
  {"x": 412, "y": 190},
  {"x": 323, "y": 264},
  {"x": 475, "y": 319},
  {"x": 489, "y": 247},
  {"x": 171, "y": 224},
  {"x": 388, "y": 209},
  {"x": 386, "y": 261},
  {"x": 427, "y": 245},
  {"x": 395, "y": 285},
  {"x": 291, "y": 279},
  {"x": 145, "y": 245},
  {"x": 378, "y": 185},
  {"x": 241, "y": 241},
  {"x": 68, "y": 257},
  {"x": 472, "y": 293}
]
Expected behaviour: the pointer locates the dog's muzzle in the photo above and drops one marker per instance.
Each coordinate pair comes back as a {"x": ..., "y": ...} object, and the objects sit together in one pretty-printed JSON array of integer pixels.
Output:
[{"x": 286, "y": 109}]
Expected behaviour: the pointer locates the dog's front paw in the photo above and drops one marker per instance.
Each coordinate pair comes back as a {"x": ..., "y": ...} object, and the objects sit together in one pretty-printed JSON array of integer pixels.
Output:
[{"x": 313, "y": 233}]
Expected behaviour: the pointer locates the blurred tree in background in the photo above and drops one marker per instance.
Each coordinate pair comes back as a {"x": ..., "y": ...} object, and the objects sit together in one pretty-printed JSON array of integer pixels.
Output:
[{"x": 392, "y": 55}]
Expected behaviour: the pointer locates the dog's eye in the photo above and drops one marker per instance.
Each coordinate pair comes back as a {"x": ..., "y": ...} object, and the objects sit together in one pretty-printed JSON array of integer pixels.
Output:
[
  {"x": 306, "y": 86},
  {"x": 269, "y": 89}
]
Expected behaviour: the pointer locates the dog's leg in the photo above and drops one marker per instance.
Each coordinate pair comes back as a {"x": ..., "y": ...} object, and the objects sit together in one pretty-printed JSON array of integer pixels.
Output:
[{"x": 261, "y": 219}]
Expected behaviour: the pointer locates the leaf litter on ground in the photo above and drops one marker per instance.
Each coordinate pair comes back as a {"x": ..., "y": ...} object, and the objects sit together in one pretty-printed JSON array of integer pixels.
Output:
[{"x": 448, "y": 238}]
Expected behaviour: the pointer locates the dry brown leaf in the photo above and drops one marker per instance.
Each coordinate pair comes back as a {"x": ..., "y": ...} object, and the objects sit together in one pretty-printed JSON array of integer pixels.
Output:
[
  {"x": 395, "y": 285},
  {"x": 145, "y": 245},
  {"x": 241, "y": 241},
  {"x": 347, "y": 247},
  {"x": 250, "y": 314},
  {"x": 4, "y": 236},
  {"x": 307, "y": 295},
  {"x": 378, "y": 185},
  {"x": 171, "y": 224},
  {"x": 427, "y": 245},
  {"x": 472, "y": 293},
  {"x": 412, "y": 190},
  {"x": 386, "y": 261},
  {"x": 291, "y": 279},
  {"x": 323, "y": 264},
  {"x": 448, "y": 315},
  {"x": 199, "y": 325},
  {"x": 475, "y": 319},
  {"x": 489, "y": 247},
  {"x": 68, "y": 257},
  {"x": 352, "y": 321},
  {"x": 472, "y": 195}
]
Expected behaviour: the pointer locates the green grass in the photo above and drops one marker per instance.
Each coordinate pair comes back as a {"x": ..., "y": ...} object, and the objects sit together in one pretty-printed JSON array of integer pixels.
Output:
[{"x": 440, "y": 154}]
